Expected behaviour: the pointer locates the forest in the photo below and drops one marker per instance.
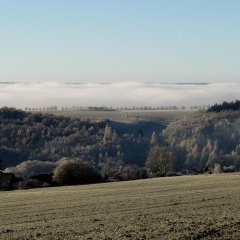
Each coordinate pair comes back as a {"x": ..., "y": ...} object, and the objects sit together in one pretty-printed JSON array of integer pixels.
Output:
[
  {"x": 37, "y": 143},
  {"x": 204, "y": 139}
]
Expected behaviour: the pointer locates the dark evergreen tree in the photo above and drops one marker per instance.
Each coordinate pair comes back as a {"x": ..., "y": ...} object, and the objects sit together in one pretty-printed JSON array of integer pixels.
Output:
[{"x": 225, "y": 106}]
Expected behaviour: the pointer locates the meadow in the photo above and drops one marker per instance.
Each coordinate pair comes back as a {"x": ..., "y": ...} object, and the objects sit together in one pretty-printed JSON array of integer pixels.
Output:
[
  {"x": 126, "y": 115},
  {"x": 187, "y": 207}
]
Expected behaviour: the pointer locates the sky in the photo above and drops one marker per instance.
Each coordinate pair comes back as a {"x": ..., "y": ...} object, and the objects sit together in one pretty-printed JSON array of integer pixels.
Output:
[{"x": 115, "y": 41}]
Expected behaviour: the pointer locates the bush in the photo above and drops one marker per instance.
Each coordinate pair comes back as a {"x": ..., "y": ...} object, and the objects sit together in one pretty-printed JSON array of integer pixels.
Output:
[
  {"x": 217, "y": 168},
  {"x": 74, "y": 171},
  {"x": 133, "y": 172},
  {"x": 31, "y": 183},
  {"x": 171, "y": 174},
  {"x": 31, "y": 167},
  {"x": 229, "y": 168}
]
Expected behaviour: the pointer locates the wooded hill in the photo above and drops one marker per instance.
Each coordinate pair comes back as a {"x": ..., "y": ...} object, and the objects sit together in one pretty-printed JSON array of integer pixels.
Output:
[
  {"x": 204, "y": 138},
  {"x": 198, "y": 140},
  {"x": 34, "y": 136}
]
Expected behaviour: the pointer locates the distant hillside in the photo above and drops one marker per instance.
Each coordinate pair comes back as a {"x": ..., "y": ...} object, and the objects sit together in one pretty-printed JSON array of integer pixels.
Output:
[
  {"x": 199, "y": 140},
  {"x": 204, "y": 138},
  {"x": 27, "y": 136}
]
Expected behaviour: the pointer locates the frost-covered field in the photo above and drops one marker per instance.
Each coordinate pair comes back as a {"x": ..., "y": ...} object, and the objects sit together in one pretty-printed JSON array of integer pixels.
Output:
[
  {"x": 127, "y": 116},
  {"x": 189, "y": 207}
]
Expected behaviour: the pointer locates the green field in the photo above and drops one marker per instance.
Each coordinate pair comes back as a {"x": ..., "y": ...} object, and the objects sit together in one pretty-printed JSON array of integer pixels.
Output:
[
  {"x": 126, "y": 116},
  {"x": 188, "y": 207}
]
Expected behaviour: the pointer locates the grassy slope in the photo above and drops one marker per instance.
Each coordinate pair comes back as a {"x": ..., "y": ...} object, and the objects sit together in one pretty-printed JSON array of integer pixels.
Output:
[{"x": 189, "y": 207}]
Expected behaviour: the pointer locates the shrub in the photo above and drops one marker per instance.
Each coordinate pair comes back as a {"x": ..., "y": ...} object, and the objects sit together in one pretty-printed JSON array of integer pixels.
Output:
[
  {"x": 31, "y": 183},
  {"x": 217, "y": 168},
  {"x": 74, "y": 171},
  {"x": 31, "y": 167},
  {"x": 133, "y": 172},
  {"x": 229, "y": 168}
]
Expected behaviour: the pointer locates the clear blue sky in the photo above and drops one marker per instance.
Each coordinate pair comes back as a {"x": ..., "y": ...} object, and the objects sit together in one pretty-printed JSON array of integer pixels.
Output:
[{"x": 120, "y": 40}]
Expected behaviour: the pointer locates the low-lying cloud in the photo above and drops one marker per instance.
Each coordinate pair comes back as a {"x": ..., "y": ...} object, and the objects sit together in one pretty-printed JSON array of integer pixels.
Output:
[{"x": 115, "y": 94}]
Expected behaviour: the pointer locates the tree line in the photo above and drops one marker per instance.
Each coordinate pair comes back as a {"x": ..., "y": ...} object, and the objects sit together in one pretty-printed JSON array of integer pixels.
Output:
[{"x": 225, "y": 106}]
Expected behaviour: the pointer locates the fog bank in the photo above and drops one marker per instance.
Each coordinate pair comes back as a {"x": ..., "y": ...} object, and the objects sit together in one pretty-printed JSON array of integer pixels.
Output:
[{"x": 115, "y": 94}]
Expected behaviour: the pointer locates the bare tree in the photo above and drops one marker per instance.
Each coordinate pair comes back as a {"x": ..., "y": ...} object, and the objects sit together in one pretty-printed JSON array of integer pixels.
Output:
[
  {"x": 154, "y": 139},
  {"x": 107, "y": 134},
  {"x": 160, "y": 161}
]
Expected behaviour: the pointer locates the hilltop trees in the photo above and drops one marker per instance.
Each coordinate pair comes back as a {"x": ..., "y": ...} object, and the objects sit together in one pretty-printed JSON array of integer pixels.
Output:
[
  {"x": 225, "y": 106},
  {"x": 160, "y": 161},
  {"x": 11, "y": 114}
]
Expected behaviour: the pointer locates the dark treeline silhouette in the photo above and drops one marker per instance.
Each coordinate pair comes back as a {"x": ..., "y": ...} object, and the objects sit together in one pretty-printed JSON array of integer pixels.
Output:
[{"x": 225, "y": 106}]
